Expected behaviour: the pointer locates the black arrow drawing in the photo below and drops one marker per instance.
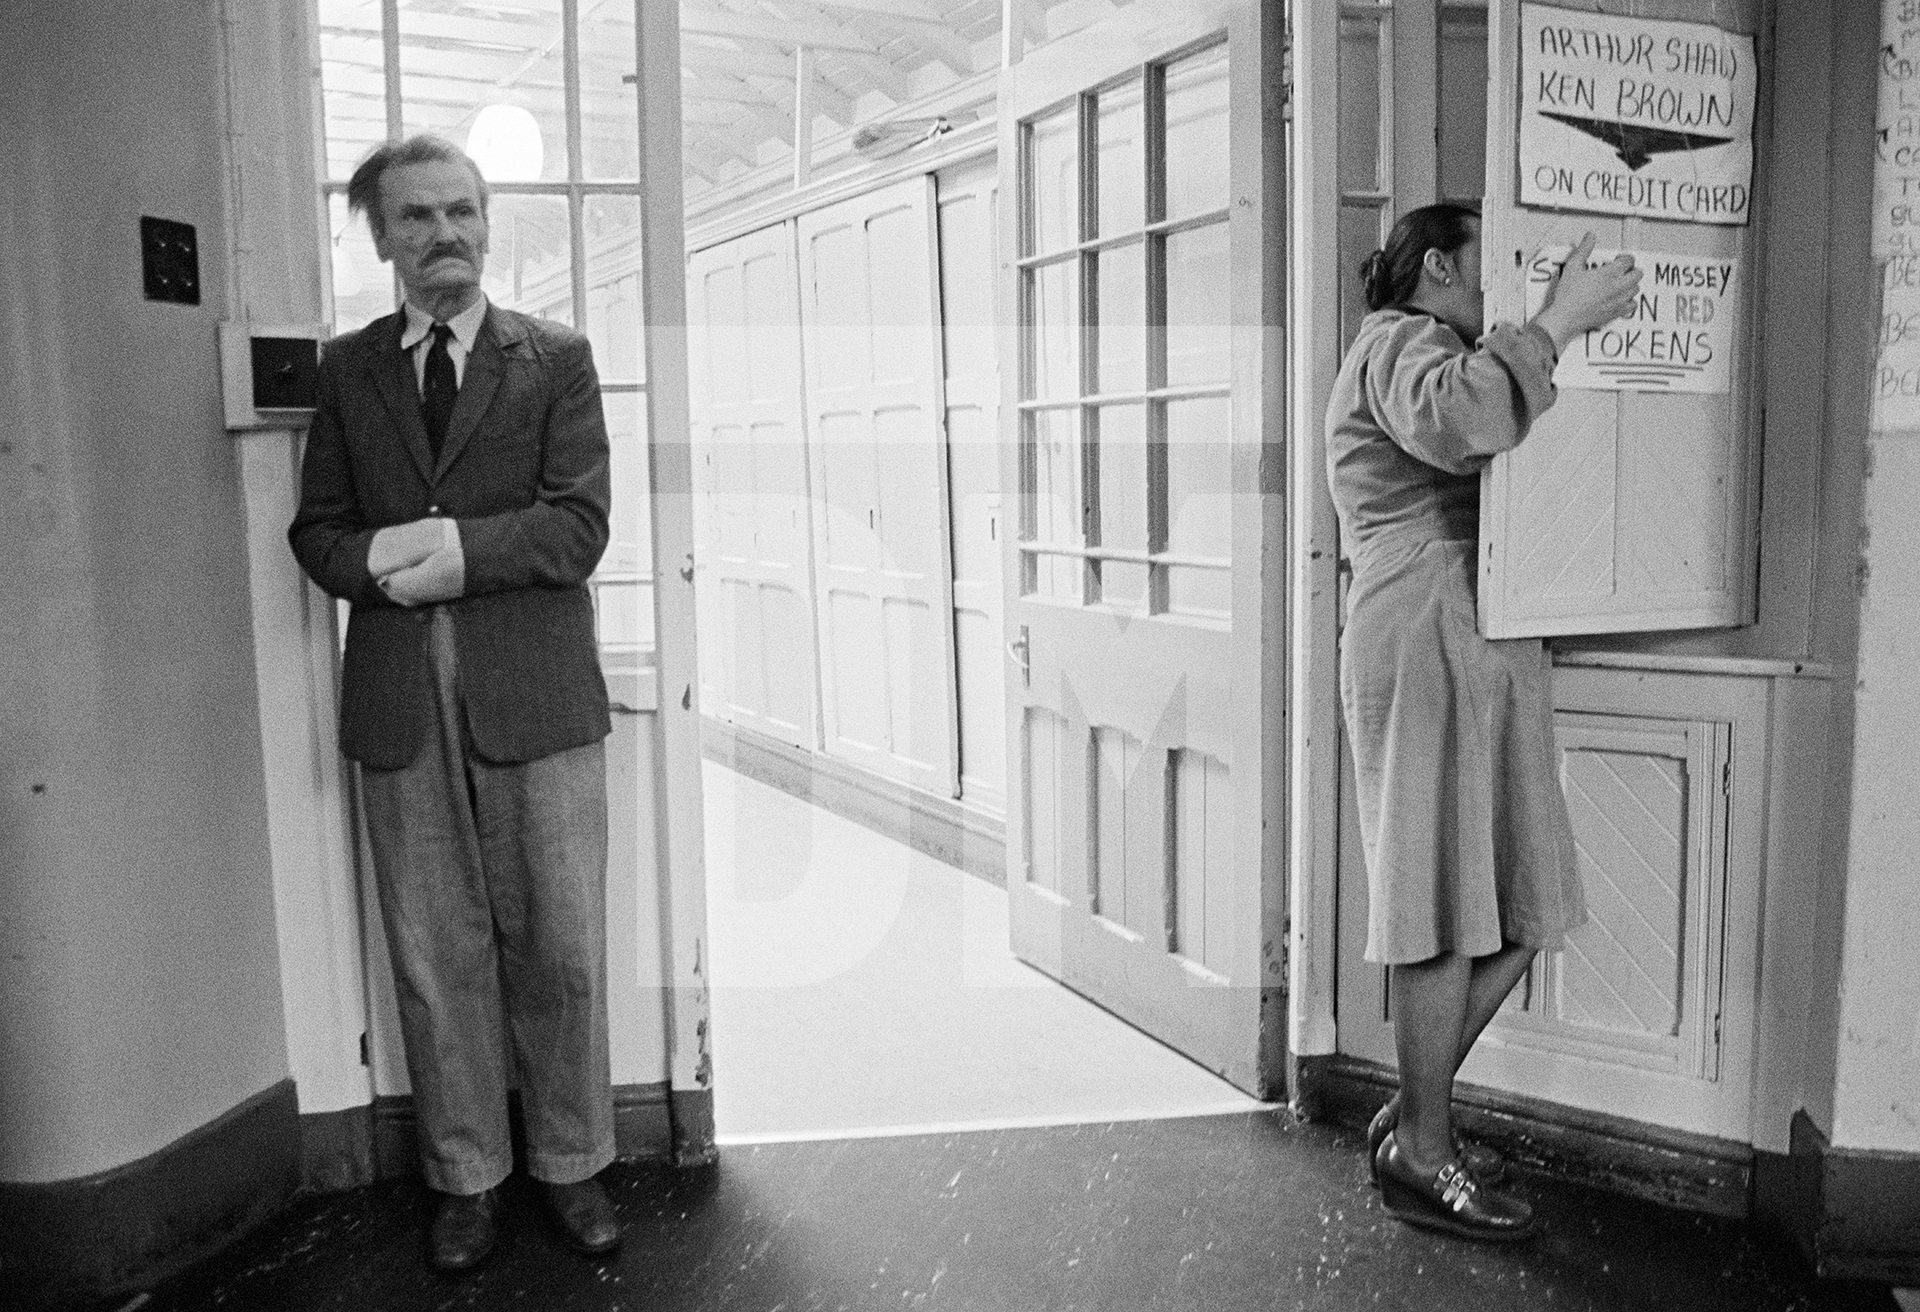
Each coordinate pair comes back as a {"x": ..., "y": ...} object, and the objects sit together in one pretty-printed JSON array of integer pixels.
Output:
[{"x": 1637, "y": 145}]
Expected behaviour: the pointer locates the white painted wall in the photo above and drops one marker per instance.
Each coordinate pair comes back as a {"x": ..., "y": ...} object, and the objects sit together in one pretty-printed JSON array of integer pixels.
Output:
[
  {"x": 1876, "y": 1095},
  {"x": 139, "y": 983}
]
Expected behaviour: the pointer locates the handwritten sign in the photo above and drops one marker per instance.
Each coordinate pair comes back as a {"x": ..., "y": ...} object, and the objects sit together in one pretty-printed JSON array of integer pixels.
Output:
[
  {"x": 1640, "y": 116},
  {"x": 1678, "y": 337},
  {"x": 1896, "y": 219}
]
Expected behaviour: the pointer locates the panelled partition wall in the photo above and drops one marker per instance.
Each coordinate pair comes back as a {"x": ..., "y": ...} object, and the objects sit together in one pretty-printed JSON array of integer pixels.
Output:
[{"x": 845, "y": 400}]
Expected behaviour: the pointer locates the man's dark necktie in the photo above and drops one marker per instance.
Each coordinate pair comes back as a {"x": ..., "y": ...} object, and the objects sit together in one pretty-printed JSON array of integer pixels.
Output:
[{"x": 438, "y": 388}]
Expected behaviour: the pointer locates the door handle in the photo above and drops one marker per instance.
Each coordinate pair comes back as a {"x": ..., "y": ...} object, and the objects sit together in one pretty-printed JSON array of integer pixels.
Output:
[{"x": 1020, "y": 650}]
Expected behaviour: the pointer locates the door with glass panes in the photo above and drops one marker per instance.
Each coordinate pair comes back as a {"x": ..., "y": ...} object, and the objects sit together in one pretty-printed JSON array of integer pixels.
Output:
[{"x": 1143, "y": 162}]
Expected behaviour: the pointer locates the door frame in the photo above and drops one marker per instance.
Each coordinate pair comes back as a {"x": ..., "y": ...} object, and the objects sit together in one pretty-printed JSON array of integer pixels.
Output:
[
  {"x": 1313, "y": 573},
  {"x": 679, "y": 811}
]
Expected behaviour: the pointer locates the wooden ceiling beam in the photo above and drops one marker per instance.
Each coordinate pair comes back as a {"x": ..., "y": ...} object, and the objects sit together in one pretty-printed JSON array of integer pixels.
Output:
[
  {"x": 883, "y": 73},
  {"x": 769, "y": 89},
  {"x": 510, "y": 37},
  {"x": 488, "y": 67},
  {"x": 705, "y": 158},
  {"x": 709, "y": 113},
  {"x": 745, "y": 27},
  {"x": 900, "y": 13},
  {"x": 932, "y": 35},
  {"x": 827, "y": 98},
  {"x": 734, "y": 146},
  {"x": 766, "y": 61},
  {"x": 736, "y": 59}
]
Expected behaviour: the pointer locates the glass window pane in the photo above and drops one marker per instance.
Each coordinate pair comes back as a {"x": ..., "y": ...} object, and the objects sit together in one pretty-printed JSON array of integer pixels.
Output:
[
  {"x": 1120, "y": 322},
  {"x": 353, "y": 82},
  {"x": 613, "y": 287},
  {"x": 1199, "y": 504},
  {"x": 1055, "y": 295},
  {"x": 1360, "y": 236},
  {"x": 362, "y": 285},
  {"x": 494, "y": 86},
  {"x": 1053, "y": 149},
  {"x": 1197, "y": 134},
  {"x": 1120, "y": 128},
  {"x": 1463, "y": 103},
  {"x": 1122, "y": 458},
  {"x": 609, "y": 103},
  {"x": 529, "y": 256},
  {"x": 1359, "y": 90},
  {"x": 1055, "y": 452},
  {"x": 1199, "y": 338},
  {"x": 624, "y": 601}
]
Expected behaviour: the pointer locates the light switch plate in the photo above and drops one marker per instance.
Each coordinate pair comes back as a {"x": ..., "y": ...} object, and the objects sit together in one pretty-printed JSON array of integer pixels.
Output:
[{"x": 267, "y": 373}]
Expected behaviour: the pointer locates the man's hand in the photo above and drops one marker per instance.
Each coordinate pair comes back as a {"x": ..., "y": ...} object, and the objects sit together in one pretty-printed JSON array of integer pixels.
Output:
[
  {"x": 440, "y": 576},
  {"x": 401, "y": 545}
]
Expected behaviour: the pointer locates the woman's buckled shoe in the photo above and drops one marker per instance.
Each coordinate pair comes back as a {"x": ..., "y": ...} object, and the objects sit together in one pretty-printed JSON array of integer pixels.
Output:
[
  {"x": 1482, "y": 1162},
  {"x": 1450, "y": 1200}
]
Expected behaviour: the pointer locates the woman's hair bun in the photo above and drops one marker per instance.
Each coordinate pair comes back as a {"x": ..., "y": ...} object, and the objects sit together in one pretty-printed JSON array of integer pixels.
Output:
[{"x": 1374, "y": 277}]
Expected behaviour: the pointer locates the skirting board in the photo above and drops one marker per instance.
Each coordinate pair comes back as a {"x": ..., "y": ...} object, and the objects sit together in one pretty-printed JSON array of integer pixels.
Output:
[
  {"x": 1855, "y": 1215},
  {"x": 940, "y": 827},
  {"x": 126, "y": 1228},
  {"x": 1693, "y": 1172}
]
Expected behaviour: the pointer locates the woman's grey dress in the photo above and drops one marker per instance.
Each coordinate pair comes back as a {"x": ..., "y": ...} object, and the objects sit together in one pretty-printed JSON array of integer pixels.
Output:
[{"x": 1465, "y": 829}]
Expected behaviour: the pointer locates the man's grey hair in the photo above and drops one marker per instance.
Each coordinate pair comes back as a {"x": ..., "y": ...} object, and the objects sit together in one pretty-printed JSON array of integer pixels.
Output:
[{"x": 363, "y": 189}]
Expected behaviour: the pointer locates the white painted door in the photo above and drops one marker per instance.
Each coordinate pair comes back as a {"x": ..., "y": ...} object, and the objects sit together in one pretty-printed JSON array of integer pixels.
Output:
[
  {"x": 1145, "y": 832},
  {"x": 870, "y": 316},
  {"x": 754, "y": 562}
]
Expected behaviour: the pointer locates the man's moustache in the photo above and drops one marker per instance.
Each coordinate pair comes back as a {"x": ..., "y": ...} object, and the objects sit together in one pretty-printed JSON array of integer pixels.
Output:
[{"x": 441, "y": 252}]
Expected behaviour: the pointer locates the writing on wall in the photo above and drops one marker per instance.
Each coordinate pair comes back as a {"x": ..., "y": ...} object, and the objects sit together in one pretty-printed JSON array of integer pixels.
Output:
[
  {"x": 1896, "y": 218},
  {"x": 1638, "y": 116},
  {"x": 1678, "y": 337}
]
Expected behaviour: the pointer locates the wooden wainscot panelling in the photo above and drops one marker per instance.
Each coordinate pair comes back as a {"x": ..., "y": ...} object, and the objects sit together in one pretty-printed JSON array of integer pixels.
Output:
[{"x": 1648, "y": 1014}]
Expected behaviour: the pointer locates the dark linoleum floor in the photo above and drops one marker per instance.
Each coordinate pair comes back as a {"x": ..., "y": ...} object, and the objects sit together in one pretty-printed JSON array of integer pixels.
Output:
[{"x": 1217, "y": 1213}]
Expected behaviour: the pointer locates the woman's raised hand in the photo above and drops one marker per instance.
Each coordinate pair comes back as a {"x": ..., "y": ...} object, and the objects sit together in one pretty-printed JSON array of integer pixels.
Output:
[{"x": 1580, "y": 298}]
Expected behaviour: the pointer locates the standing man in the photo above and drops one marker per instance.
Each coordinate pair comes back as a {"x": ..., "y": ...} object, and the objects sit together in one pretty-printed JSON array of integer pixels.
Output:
[{"x": 455, "y": 490}]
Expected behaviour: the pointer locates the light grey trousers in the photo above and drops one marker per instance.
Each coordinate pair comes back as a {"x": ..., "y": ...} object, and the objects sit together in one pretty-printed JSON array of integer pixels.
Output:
[{"x": 492, "y": 883}]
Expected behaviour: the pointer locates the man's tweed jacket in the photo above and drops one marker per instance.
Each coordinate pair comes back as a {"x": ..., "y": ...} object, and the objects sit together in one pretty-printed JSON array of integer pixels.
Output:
[{"x": 523, "y": 471}]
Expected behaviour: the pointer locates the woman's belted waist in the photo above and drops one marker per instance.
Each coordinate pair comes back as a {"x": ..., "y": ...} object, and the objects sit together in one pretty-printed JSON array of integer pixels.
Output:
[{"x": 1398, "y": 539}]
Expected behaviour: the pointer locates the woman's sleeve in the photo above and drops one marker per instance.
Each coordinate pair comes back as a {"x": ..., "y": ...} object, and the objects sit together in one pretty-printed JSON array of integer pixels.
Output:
[{"x": 1456, "y": 409}]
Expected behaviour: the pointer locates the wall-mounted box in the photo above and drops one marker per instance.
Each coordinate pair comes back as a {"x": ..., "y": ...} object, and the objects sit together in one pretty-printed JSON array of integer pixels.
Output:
[{"x": 269, "y": 372}]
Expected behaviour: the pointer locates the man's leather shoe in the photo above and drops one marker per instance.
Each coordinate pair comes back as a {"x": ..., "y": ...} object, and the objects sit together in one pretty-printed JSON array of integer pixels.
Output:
[
  {"x": 586, "y": 1216},
  {"x": 464, "y": 1229},
  {"x": 1449, "y": 1200},
  {"x": 1487, "y": 1166}
]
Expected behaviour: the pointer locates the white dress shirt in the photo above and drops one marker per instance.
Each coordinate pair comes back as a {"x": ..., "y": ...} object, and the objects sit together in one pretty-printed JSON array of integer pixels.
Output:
[{"x": 417, "y": 338}]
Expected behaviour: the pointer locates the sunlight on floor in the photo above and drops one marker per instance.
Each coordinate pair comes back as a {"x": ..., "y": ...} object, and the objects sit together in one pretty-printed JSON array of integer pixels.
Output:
[{"x": 862, "y": 988}]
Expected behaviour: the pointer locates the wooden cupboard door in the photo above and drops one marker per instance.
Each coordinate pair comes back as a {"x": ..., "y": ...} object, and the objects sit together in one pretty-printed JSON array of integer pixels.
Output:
[
  {"x": 870, "y": 315},
  {"x": 1635, "y": 509},
  {"x": 754, "y": 521}
]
